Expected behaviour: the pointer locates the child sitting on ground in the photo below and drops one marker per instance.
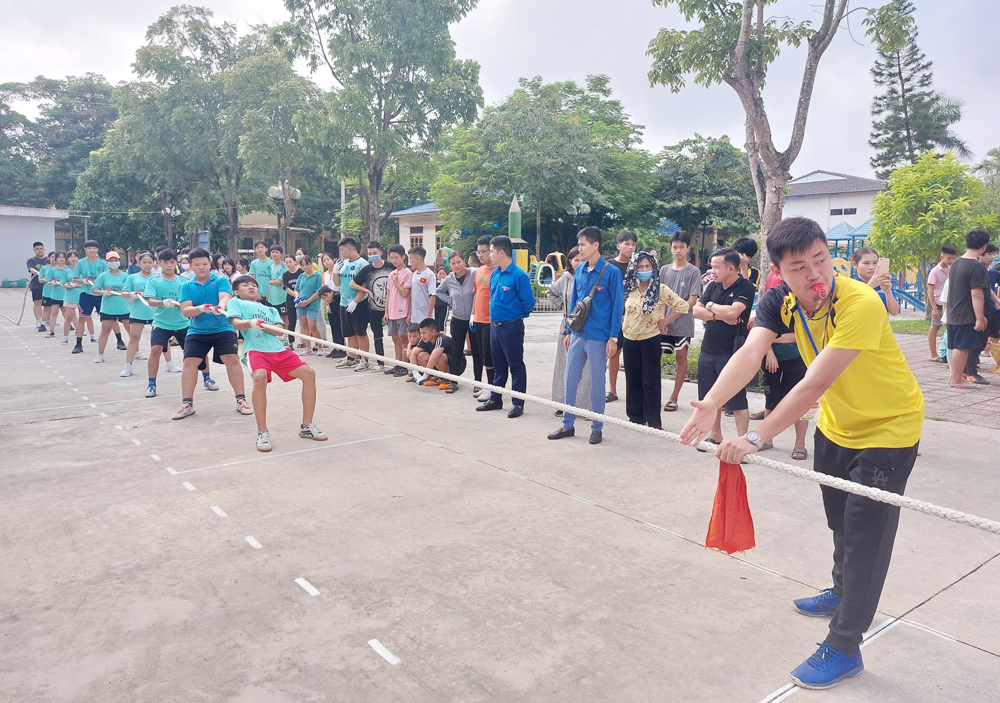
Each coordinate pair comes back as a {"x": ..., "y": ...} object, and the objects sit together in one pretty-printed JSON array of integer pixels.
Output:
[
  {"x": 434, "y": 351},
  {"x": 263, "y": 353}
]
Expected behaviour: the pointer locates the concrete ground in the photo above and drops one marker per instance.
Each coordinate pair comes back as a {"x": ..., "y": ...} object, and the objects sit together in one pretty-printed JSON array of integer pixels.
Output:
[{"x": 151, "y": 560}]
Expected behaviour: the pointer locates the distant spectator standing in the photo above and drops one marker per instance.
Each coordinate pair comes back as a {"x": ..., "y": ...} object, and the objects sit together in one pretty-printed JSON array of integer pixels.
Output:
[
  {"x": 35, "y": 264},
  {"x": 597, "y": 343},
  {"x": 479, "y": 329},
  {"x": 397, "y": 310},
  {"x": 935, "y": 284},
  {"x": 989, "y": 310},
  {"x": 373, "y": 281},
  {"x": 511, "y": 300},
  {"x": 677, "y": 331},
  {"x": 354, "y": 316},
  {"x": 457, "y": 290},
  {"x": 423, "y": 286},
  {"x": 627, "y": 243},
  {"x": 560, "y": 293},
  {"x": 968, "y": 289}
]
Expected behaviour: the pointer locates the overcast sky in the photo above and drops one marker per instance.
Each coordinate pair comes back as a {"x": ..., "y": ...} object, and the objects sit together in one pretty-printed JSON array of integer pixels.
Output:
[{"x": 569, "y": 39}]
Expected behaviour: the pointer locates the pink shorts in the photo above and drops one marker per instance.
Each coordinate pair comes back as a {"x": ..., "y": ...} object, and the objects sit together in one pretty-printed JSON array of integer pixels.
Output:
[{"x": 281, "y": 363}]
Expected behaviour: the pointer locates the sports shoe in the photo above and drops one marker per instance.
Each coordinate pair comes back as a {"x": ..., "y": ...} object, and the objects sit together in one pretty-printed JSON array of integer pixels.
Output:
[
  {"x": 172, "y": 367},
  {"x": 41, "y": 326},
  {"x": 308, "y": 352},
  {"x": 826, "y": 668},
  {"x": 243, "y": 407},
  {"x": 819, "y": 606},
  {"x": 140, "y": 356},
  {"x": 65, "y": 340},
  {"x": 336, "y": 354},
  {"x": 184, "y": 412},
  {"x": 51, "y": 334},
  {"x": 99, "y": 359},
  {"x": 127, "y": 371},
  {"x": 93, "y": 338},
  {"x": 349, "y": 362},
  {"x": 151, "y": 391},
  {"x": 484, "y": 395},
  {"x": 362, "y": 366},
  {"x": 122, "y": 346},
  {"x": 400, "y": 372},
  {"x": 310, "y": 431},
  {"x": 77, "y": 349},
  {"x": 210, "y": 384},
  {"x": 264, "y": 441}
]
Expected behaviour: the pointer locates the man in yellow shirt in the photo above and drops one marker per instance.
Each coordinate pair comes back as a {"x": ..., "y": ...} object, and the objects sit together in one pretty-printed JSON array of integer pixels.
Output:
[{"x": 868, "y": 431}]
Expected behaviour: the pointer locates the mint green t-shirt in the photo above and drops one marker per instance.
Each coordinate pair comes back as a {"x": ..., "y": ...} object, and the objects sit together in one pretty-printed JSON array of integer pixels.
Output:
[
  {"x": 307, "y": 285},
  {"x": 136, "y": 283},
  {"x": 277, "y": 294},
  {"x": 43, "y": 273},
  {"x": 261, "y": 270},
  {"x": 254, "y": 339},
  {"x": 113, "y": 304},
  {"x": 57, "y": 276},
  {"x": 72, "y": 294},
  {"x": 91, "y": 270},
  {"x": 159, "y": 288}
]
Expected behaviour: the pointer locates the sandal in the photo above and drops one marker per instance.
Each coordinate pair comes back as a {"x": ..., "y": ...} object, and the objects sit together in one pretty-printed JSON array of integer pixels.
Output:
[
  {"x": 800, "y": 453},
  {"x": 671, "y": 406},
  {"x": 452, "y": 388},
  {"x": 766, "y": 445}
]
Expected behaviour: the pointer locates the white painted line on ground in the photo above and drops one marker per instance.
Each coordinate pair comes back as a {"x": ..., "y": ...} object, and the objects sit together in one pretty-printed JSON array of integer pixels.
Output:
[
  {"x": 253, "y": 543},
  {"x": 103, "y": 414},
  {"x": 433, "y": 444},
  {"x": 310, "y": 589},
  {"x": 136, "y": 442},
  {"x": 583, "y": 500},
  {"x": 75, "y": 390},
  {"x": 80, "y": 405},
  {"x": 383, "y": 652},
  {"x": 391, "y": 429},
  {"x": 83, "y": 397},
  {"x": 347, "y": 412},
  {"x": 69, "y": 384},
  {"x": 170, "y": 471},
  {"x": 662, "y": 529},
  {"x": 188, "y": 486},
  {"x": 931, "y": 630},
  {"x": 93, "y": 405},
  {"x": 62, "y": 377},
  {"x": 119, "y": 427},
  {"x": 218, "y": 511},
  {"x": 470, "y": 457},
  {"x": 757, "y": 566},
  {"x": 154, "y": 457},
  {"x": 298, "y": 451},
  {"x": 515, "y": 475},
  {"x": 872, "y": 635},
  {"x": 781, "y": 694}
]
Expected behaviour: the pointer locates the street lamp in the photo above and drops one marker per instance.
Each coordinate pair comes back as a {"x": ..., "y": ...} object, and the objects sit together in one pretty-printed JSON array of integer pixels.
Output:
[{"x": 579, "y": 208}]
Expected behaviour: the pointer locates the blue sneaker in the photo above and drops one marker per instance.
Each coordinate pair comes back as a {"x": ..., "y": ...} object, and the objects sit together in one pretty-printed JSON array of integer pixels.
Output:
[
  {"x": 819, "y": 606},
  {"x": 826, "y": 668}
]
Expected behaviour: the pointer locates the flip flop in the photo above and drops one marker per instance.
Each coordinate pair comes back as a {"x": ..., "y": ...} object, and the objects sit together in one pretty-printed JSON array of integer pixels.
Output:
[
  {"x": 800, "y": 453},
  {"x": 452, "y": 388},
  {"x": 670, "y": 407}
]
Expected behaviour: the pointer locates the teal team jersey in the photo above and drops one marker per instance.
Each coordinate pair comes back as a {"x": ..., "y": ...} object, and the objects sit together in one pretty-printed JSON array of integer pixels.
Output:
[
  {"x": 254, "y": 339},
  {"x": 43, "y": 275},
  {"x": 277, "y": 294},
  {"x": 136, "y": 283},
  {"x": 159, "y": 288},
  {"x": 91, "y": 270},
  {"x": 307, "y": 285},
  {"x": 57, "y": 276},
  {"x": 113, "y": 304},
  {"x": 261, "y": 270},
  {"x": 72, "y": 294}
]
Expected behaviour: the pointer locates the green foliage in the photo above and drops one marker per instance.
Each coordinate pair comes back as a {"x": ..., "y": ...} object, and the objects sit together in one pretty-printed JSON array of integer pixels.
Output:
[
  {"x": 921, "y": 327},
  {"x": 908, "y": 116},
  {"x": 668, "y": 363}
]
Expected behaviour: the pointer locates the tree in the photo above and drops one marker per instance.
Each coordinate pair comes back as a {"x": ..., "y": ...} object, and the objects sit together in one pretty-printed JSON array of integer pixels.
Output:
[
  {"x": 908, "y": 116},
  {"x": 18, "y": 151},
  {"x": 735, "y": 43},
  {"x": 398, "y": 87},
  {"x": 927, "y": 205}
]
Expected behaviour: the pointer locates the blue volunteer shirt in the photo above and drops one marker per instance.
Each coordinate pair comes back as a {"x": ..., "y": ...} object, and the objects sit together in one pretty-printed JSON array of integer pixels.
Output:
[
  {"x": 511, "y": 297},
  {"x": 207, "y": 293},
  {"x": 607, "y": 307}
]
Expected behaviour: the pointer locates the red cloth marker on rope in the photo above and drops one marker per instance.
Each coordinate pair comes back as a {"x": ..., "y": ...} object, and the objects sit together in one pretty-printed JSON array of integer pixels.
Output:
[{"x": 731, "y": 527}]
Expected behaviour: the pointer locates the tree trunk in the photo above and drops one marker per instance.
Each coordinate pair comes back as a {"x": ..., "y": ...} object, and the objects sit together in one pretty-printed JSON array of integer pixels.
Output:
[
  {"x": 374, "y": 228},
  {"x": 774, "y": 203},
  {"x": 538, "y": 231},
  {"x": 232, "y": 235}
]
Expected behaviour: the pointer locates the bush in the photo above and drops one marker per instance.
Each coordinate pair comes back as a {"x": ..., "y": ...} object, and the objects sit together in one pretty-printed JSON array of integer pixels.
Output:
[{"x": 668, "y": 364}]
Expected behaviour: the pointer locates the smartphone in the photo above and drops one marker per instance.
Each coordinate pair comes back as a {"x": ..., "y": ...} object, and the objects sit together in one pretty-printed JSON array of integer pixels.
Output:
[{"x": 882, "y": 269}]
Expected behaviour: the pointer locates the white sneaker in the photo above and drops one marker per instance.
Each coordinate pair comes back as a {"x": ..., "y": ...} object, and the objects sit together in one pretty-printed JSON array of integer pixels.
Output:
[
  {"x": 99, "y": 359},
  {"x": 172, "y": 367},
  {"x": 484, "y": 395},
  {"x": 243, "y": 407},
  {"x": 140, "y": 356},
  {"x": 93, "y": 338},
  {"x": 65, "y": 340},
  {"x": 185, "y": 411},
  {"x": 127, "y": 371},
  {"x": 310, "y": 431},
  {"x": 150, "y": 391},
  {"x": 264, "y": 441},
  {"x": 210, "y": 385},
  {"x": 362, "y": 366}
]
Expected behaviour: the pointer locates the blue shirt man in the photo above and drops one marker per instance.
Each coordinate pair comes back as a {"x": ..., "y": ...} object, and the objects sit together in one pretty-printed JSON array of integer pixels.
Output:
[
  {"x": 598, "y": 340},
  {"x": 511, "y": 300}
]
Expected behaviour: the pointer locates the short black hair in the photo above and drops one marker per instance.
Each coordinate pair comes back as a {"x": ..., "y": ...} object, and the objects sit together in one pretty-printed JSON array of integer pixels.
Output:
[
  {"x": 792, "y": 235},
  {"x": 243, "y": 260},
  {"x": 37, "y": 244},
  {"x": 259, "y": 242},
  {"x": 681, "y": 236},
  {"x": 428, "y": 322},
  {"x": 198, "y": 253},
  {"x": 72, "y": 252},
  {"x": 418, "y": 251},
  {"x": 746, "y": 246},
  {"x": 398, "y": 249},
  {"x": 504, "y": 244},
  {"x": 627, "y": 235},
  {"x": 166, "y": 255},
  {"x": 591, "y": 234},
  {"x": 306, "y": 261},
  {"x": 276, "y": 248},
  {"x": 977, "y": 239},
  {"x": 374, "y": 244},
  {"x": 323, "y": 290},
  {"x": 484, "y": 240},
  {"x": 348, "y": 242},
  {"x": 244, "y": 278},
  {"x": 60, "y": 252},
  {"x": 412, "y": 327},
  {"x": 91, "y": 243},
  {"x": 949, "y": 249},
  {"x": 454, "y": 253},
  {"x": 729, "y": 256},
  {"x": 991, "y": 248}
]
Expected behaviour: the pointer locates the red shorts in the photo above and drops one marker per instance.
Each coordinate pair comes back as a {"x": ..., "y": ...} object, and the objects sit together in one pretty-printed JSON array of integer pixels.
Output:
[{"x": 281, "y": 363}]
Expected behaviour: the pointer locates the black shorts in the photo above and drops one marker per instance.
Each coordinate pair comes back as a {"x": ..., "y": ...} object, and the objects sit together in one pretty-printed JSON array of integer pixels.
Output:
[
  {"x": 355, "y": 324},
  {"x": 283, "y": 308},
  {"x": 36, "y": 294},
  {"x": 670, "y": 343},
  {"x": 198, "y": 345},
  {"x": 134, "y": 321},
  {"x": 456, "y": 364},
  {"x": 55, "y": 303},
  {"x": 46, "y": 301},
  {"x": 160, "y": 337},
  {"x": 709, "y": 368},
  {"x": 778, "y": 384},
  {"x": 89, "y": 303},
  {"x": 993, "y": 325},
  {"x": 105, "y": 317},
  {"x": 965, "y": 337},
  {"x": 483, "y": 333}
]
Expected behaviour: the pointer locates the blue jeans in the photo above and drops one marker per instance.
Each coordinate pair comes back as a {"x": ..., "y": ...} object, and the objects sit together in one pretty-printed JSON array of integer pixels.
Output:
[
  {"x": 507, "y": 348},
  {"x": 580, "y": 351}
]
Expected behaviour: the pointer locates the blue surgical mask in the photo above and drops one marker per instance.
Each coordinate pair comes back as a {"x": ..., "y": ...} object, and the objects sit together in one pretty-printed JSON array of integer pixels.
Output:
[
  {"x": 644, "y": 275},
  {"x": 373, "y": 259}
]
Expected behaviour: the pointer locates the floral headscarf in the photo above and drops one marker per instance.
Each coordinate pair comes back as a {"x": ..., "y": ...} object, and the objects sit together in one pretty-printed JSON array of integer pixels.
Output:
[{"x": 632, "y": 281}]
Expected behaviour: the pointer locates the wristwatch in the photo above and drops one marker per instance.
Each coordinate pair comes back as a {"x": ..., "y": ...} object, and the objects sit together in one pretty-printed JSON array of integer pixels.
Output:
[
  {"x": 709, "y": 304},
  {"x": 754, "y": 439},
  {"x": 614, "y": 339}
]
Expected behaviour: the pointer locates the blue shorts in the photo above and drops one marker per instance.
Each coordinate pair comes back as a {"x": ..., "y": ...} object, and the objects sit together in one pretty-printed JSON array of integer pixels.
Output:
[
  {"x": 88, "y": 303},
  {"x": 309, "y": 314}
]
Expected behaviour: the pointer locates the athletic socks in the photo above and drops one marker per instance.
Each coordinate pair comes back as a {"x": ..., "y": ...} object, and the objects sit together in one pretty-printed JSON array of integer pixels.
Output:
[
  {"x": 241, "y": 396},
  {"x": 152, "y": 382},
  {"x": 189, "y": 401},
  {"x": 79, "y": 342},
  {"x": 205, "y": 375}
]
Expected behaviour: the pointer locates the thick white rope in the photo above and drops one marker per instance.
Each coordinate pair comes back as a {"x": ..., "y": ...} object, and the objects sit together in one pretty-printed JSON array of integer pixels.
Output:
[{"x": 807, "y": 474}]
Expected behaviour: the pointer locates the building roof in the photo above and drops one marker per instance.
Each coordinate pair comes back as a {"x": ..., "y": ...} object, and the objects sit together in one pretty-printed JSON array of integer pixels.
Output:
[
  {"x": 840, "y": 231},
  {"x": 864, "y": 229},
  {"x": 45, "y": 213},
  {"x": 831, "y": 183},
  {"x": 272, "y": 229},
  {"x": 422, "y": 209}
]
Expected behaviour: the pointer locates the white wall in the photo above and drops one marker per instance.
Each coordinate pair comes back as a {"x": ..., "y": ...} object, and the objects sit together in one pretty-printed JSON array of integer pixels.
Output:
[
  {"x": 429, "y": 222},
  {"x": 817, "y": 207},
  {"x": 16, "y": 237}
]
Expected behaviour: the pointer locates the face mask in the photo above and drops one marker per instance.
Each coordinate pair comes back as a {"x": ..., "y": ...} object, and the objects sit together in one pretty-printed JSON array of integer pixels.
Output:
[
  {"x": 114, "y": 264},
  {"x": 373, "y": 259},
  {"x": 644, "y": 275}
]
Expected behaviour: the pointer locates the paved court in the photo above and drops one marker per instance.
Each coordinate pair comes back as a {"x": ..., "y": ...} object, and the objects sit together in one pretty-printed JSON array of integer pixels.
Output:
[{"x": 427, "y": 552}]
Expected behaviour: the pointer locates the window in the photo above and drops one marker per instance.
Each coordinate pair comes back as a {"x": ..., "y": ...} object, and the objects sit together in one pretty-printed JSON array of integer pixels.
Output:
[
  {"x": 850, "y": 211},
  {"x": 437, "y": 242},
  {"x": 836, "y": 211},
  {"x": 438, "y": 228},
  {"x": 417, "y": 230},
  {"x": 416, "y": 241}
]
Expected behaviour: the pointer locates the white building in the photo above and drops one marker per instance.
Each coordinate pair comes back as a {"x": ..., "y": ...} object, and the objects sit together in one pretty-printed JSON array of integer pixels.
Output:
[
  {"x": 831, "y": 198},
  {"x": 20, "y": 227},
  {"x": 420, "y": 226}
]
